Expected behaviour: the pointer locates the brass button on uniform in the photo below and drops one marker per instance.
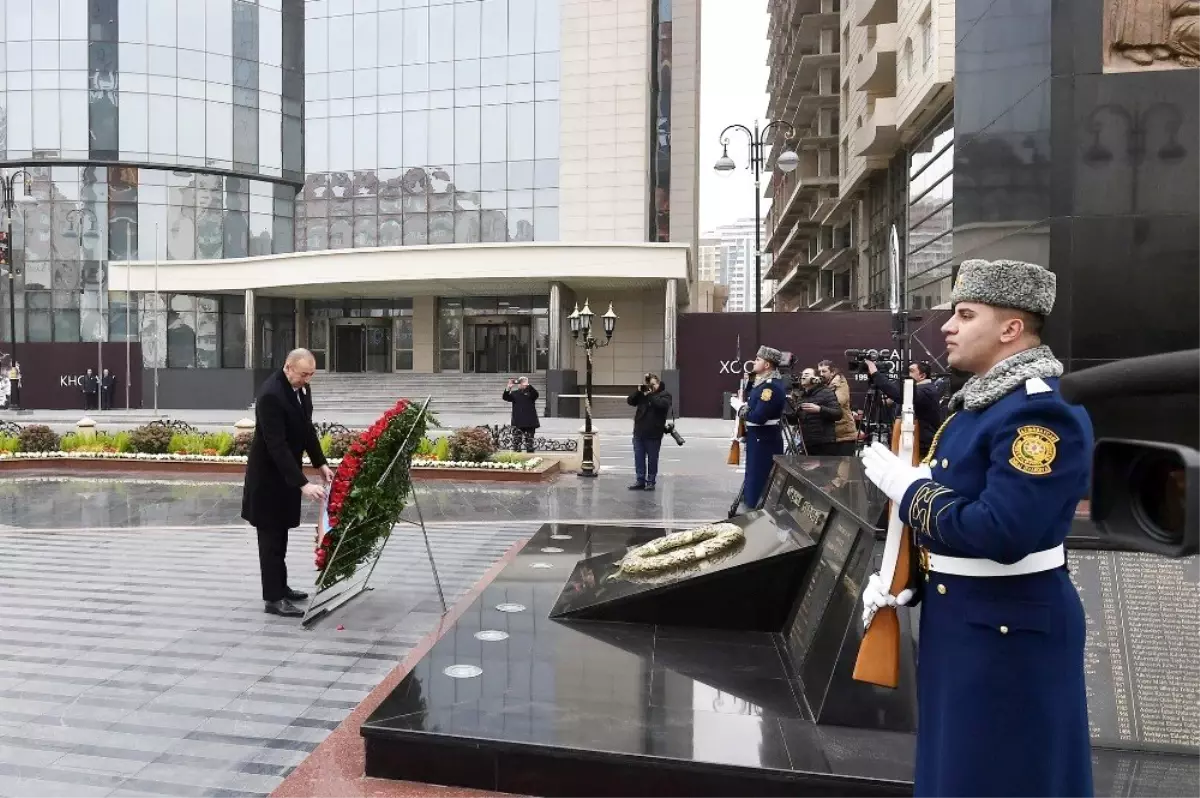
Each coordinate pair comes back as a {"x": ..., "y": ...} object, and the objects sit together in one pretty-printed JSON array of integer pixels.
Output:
[
  {"x": 1003, "y": 630},
  {"x": 942, "y": 589}
]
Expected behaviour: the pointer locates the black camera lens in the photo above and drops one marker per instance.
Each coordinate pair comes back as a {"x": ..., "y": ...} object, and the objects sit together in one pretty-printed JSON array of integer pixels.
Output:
[{"x": 1158, "y": 485}]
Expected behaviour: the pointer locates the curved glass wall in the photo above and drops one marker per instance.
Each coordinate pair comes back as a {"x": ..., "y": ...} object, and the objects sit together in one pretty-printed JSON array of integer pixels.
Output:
[
  {"x": 206, "y": 84},
  {"x": 430, "y": 122},
  {"x": 179, "y": 129}
]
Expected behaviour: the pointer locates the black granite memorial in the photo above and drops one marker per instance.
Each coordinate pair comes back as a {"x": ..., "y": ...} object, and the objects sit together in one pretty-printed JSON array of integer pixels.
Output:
[{"x": 521, "y": 696}]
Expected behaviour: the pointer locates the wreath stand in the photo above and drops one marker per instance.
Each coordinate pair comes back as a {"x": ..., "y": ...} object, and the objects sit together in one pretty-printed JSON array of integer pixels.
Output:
[{"x": 333, "y": 593}]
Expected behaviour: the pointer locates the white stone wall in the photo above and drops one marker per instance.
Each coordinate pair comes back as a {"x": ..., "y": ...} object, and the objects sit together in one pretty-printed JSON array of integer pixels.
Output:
[
  {"x": 637, "y": 345},
  {"x": 604, "y": 167},
  {"x": 929, "y": 75}
]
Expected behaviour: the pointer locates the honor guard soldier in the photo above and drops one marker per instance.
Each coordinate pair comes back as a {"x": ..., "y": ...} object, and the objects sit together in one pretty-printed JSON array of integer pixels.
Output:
[
  {"x": 1002, "y": 703},
  {"x": 762, "y": 411}
]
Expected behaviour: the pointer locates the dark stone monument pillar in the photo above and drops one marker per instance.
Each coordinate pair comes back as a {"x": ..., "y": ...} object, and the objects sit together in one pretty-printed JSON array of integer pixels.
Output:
[{"x": 1070, "y": 153}]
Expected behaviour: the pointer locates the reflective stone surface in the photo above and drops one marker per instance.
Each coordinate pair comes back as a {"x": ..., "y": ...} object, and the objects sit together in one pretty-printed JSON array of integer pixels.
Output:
[{"x": 696, "y": 696}]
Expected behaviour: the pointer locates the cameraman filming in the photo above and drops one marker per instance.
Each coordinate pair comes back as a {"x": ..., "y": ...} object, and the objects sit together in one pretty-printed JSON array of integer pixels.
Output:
[
  {"x": 926, "y": 398},
  {"x": 653, "y": 404},
  {"x": 818, "y": 410}
]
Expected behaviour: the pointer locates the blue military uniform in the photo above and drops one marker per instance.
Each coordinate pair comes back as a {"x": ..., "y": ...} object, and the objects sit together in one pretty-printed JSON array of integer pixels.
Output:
[
  {"x": 762, "y": 412},
  {"x": 1002, "y": 700}
]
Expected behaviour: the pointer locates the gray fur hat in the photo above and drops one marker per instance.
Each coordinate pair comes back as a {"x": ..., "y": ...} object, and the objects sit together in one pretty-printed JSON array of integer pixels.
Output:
[
  {"x": 771, "y": 354},
  {"x": 1005, "y": 283}
]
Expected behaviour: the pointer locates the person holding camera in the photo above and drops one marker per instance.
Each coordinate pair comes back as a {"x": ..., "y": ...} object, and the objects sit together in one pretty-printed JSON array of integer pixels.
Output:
[
  {"x": 845, "y": 431},
  {"x": 652, "y": 405},
  {"x": 927, "y": 398},
  {"x": 523, "y": 398},
  {"x": 818, "y": 411}
]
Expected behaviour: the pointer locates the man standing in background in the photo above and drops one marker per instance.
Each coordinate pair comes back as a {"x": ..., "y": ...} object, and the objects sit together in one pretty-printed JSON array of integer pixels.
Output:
[{"x": 523, "y": 398}]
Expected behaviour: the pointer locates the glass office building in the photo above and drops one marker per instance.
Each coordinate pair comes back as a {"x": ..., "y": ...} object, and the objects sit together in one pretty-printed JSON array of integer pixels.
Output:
[{"x": 192, "y": 132}]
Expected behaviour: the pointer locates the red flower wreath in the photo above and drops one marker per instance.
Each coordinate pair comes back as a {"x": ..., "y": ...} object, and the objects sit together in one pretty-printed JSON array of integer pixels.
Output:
[{"x": 343, "y": 479}]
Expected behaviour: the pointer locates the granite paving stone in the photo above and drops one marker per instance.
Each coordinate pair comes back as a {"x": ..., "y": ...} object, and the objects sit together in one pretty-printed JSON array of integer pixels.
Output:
[{"x": 135, "y": 658}]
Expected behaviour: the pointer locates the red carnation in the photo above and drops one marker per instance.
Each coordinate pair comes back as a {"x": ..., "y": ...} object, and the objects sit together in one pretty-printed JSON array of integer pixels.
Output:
[{"x": 326, "y": 541}]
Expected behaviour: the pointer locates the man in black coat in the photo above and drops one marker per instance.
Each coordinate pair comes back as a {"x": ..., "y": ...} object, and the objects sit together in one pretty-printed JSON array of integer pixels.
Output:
[
  {"x": 275, "y": 478},
  {"x": 91, "y": 390},
  {"x": 927, "y": 398},
  {"x": 523, "y": 398},
  {"x": 653, "y": 404},
  {"x": 108, "y": 386},
  {"x": 818, "y": 410}
]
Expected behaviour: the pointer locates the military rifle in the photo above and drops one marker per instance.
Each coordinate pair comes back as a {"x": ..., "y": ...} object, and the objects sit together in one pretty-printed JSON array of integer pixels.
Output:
[{"x": 879, "y": 653}]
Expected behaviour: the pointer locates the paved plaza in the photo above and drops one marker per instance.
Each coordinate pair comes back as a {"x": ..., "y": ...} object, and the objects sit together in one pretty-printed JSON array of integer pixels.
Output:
[{"x": 135, "y": 658}]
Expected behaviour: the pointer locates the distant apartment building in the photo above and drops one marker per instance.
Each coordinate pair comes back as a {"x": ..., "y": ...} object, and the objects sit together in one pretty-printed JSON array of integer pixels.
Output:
[
  {"x": 727, "y": 253},
  {"x": 868, "y": 87}
]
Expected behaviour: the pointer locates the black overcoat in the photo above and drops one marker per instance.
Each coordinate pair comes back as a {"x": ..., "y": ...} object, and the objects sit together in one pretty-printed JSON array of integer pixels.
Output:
[
  {"x": 274, "y": 475},
  {"x": 524, "y": 406}
]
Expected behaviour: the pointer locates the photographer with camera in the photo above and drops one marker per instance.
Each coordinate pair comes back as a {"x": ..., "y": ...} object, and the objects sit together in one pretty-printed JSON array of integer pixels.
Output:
[
  {"x": 845, "y": 431},
  {"x": 818, "y": 411},
  {"x": 653, "y": 405},
  {"x": 523, "y": 398},
  {"x": 926, "y": 397}
]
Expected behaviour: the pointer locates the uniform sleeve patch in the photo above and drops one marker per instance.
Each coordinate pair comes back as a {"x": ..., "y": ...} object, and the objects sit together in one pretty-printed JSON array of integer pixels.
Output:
[
  {"x": 766, "y": 395},
  {"x": 1034, "y": 450}
]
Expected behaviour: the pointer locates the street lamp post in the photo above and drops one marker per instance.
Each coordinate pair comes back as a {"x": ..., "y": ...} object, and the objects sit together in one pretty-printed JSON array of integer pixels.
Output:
[
  {"x": 581, "y": 322},
  {"x": 76, "y": 216},
  {"x": 787, "y": 161},
  {"x": 9, "y": 186}
]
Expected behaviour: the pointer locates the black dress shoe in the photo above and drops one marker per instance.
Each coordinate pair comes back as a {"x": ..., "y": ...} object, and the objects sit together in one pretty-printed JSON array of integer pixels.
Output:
[
  {"x": 295, "y": 595},
  {"x": 285, "y": 608},
  {"x": 638, "y": 486},
  {"x": 649, "y": 486}
]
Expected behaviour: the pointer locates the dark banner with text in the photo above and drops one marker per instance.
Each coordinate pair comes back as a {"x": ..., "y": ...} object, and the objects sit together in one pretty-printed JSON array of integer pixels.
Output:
[
  {"x": 52, "y": 375},
  {"x": 716, "y": 348}
]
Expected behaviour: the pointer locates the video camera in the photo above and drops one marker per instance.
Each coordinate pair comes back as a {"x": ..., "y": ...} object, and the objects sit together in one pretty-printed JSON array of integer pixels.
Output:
[
  {"x": 1144, "y": 493},
  {"x": 857, "y": 361}
]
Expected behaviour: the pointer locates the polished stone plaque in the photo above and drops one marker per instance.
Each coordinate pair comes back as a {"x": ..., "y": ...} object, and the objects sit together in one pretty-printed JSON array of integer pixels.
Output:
[{"x": 1142, "y": 655}]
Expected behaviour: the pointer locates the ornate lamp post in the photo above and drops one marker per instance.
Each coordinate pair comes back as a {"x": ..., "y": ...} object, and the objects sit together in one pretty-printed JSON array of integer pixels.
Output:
[
  {"x": 75, "y": 217},
  {"x": 581, "y": 322},
  {"x": 786, "y": 161},
  {"x": 8, "y": 265}
]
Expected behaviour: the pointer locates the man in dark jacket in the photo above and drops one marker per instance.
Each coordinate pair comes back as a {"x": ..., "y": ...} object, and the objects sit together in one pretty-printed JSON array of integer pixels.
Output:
[
  {"x": 523, "y": 397},
  {"x": 653, "y": 405},
  {"x": 91, "y": 390},
  {"x": 819, "y": 411},
  {"x": 108, "y": 386},
  {"x": 927, "y": 398},
  {"x": 275, "y": 478}
]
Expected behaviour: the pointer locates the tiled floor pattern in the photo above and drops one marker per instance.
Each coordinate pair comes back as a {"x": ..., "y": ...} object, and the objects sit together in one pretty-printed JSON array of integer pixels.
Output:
[{"x": 139, "y": 661}]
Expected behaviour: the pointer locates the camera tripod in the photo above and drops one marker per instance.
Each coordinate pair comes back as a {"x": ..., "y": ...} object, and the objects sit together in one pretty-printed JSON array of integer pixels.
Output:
[{"x": 876, "y": 423}]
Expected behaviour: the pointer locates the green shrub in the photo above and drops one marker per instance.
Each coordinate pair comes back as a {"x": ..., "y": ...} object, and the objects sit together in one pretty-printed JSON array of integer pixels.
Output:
[
  {"x": 151, "y": 439},
  {"x": 509, "y": 457},
  {"x": 121, "y": 443},
  {"x": 441, "y": 448},
  {"x": 38, "y": 438},
  {"x": 9, "y": 443},
  {"x": 326, "y": 442},
  {"x": 220, "y": 442},
  {"x": 425, "y": 448},
  {"x": 471, "y": 444},
  {"x": 70, "y": 442},
  {"x": 340, "y": 443},
  {"x": 100, "y": 442},
  {"x": 240, "y": 445}
]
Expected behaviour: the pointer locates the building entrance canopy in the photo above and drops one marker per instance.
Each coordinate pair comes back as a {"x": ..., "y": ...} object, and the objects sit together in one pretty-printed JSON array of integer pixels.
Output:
[{"x": 452, "y": 270}]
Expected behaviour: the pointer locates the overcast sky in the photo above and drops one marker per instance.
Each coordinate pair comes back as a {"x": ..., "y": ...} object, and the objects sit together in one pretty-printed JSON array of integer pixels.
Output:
[{"x": 733, "y": 88}]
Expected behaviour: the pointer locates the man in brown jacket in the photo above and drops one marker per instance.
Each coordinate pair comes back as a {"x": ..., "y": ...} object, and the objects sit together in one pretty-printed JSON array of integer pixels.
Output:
[{"x": 845, "y": 431}]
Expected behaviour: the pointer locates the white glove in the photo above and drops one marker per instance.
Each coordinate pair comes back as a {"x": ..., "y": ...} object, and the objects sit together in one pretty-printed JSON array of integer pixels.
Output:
[
  {"x": 891, "y": 475},
  {"x": 735, "y": 402},
  {"x": 875, "y": 598}
]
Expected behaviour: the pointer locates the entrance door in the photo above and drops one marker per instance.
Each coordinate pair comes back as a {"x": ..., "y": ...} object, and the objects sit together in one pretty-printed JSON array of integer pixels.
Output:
[
  {"x": 348, "y": 349},
  {"x": 499, "y": 348},
  {"x": 379, "y": 348}
]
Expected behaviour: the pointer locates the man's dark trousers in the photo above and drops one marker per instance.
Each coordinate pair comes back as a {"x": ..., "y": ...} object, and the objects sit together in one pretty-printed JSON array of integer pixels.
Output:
[
  {"x": 645, "y": 459},
  {"x": 272, "y": 562}
]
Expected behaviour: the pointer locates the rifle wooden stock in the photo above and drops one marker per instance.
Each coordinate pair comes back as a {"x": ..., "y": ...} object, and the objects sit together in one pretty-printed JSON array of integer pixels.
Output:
[
  {"x": 879, "y": 652},
  {"x": 739, "y": 433}
]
